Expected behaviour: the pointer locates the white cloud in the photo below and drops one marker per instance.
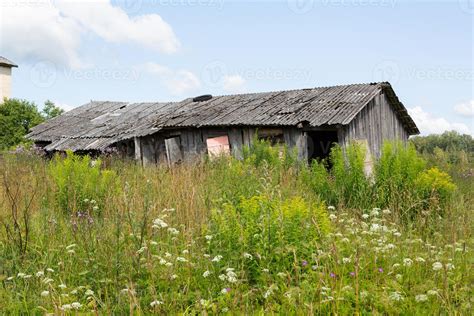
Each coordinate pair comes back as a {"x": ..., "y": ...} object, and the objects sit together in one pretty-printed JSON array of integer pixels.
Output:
[
  {"x": 233, "y": 83},
  {"x": 465, "y": 109},
  {"x": 430, "y": 124},
  {"x": 53, "y": 30},
  {"x": 178, "y": 82}
]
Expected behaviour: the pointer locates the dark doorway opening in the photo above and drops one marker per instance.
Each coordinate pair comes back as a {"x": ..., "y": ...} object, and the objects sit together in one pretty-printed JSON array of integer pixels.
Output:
[{"x": 320, "y": 144}]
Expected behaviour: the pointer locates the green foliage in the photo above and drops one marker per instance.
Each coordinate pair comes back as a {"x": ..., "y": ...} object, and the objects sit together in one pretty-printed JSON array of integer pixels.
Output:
[
  {"x": 267, "y": 246},
  {"x": 16, "y": 119},
  {"x": 79, "y": 180},
  {"x": 262, "y": 152},
  {"x": 394, "y": 182},
  {"x": 50, "y": 110},
  {"x": 434, "y": 182},
  {"x": 450, "y": 142},
  {"x": 270, "y": 229}
]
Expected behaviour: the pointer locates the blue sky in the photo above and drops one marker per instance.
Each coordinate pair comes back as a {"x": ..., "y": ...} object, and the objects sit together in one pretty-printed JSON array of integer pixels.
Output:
[{"x": 161, "y": 50}]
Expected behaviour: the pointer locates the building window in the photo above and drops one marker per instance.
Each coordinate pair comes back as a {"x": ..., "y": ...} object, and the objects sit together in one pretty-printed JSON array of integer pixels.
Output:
[
  {"x": 173, "y": 150},
  {"x": 272, "y": 135},
  {"x": 217, "y": 146}
]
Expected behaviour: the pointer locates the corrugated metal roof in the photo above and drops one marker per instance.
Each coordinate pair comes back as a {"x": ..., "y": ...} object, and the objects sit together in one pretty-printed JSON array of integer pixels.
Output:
[
  {"x": 7, "y": 62},
  {"x": 97, "y": 125}
]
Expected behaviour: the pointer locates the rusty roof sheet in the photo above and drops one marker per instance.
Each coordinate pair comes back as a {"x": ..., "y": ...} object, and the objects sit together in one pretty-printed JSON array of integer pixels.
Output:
[{"x": 97, "y": 125}]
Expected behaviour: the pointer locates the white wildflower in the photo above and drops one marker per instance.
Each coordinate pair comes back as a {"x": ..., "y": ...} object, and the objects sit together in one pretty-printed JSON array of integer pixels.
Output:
[
  {"x": 437, "y": 266},
  {"x": 62, "y": 286},
  {"x": 10, "y": 278},
  {"x": 185, "y": 251},
  {"x": 375, "y": 227},
  {"x": 173, "y": 231},
  {"x": 66, "y": 307},
  {"x": 225, "y": 291},
  {"x": 73, "y": 292},
  {"x": 21, "y": 275},
  {"x": 346, "y": 260},
  {"x": 396, "y": 296},
  {"x": 397, "y": 234},
  {"x": 208, "y": 237},
  {"x": 248, "y": 256},
  {"x": 174, "y": 276},
  {"x": 265, "y": 270},
  {"x": 386, "y": 212},
  {"x": 420, "y": 259},
  {"x": 375, "y": 212},
  {"x": 450, "y": 266},
  {"x": 281, "y": 274},
  {"x": 217, "y": 258},
  {"x": 407, "y": 262},
  {"x": 163, "y": 261},
  {"x": 45, "y": 293},
  {"x": 27, "y": 276},
  {"x": 398, "y": 277},
  {"x": 95, "y": 208},
  {"x": 141, "y": 250},
  {"x": 331, "y": 208},
  {"x": 421, "y": 298},
  {"x": 204, "y": 303},
  {"x": 267, "y": 293},
  {"x": 159, "y": 223},
  {"x": 76, "y": 305},
  {"x": 168, "y": 264},
  {"x": 365, "y": 216},
  {"x": 181, "y": 259},
  {"x": 89, "y": 292},
  {"x": 39, "y": 274},
  {"x": 396, "y": 265},
  {"x": 332, "y": 217},
  {"x": 167, "y": 255},
  {"x": 206, "y": 273},
  {"x": 432, "y": 292},
  {"x": 156, "y": 303},
  {"x": 222, "y": 277},
  {"x": 50, "y": 270}
]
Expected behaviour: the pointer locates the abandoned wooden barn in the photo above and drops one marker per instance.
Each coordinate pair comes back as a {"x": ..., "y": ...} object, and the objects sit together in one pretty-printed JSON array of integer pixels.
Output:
[{"x": 309, "y": 119}]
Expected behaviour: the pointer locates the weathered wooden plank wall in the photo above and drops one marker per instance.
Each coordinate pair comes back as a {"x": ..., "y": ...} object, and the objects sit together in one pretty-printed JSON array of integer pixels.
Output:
[
  {"x": 376, "y": 123},
  {"x": 151, "y": 149}
]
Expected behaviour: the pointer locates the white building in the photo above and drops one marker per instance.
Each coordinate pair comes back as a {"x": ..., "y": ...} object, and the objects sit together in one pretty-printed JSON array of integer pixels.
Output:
[{"x": 5, "y": 77}]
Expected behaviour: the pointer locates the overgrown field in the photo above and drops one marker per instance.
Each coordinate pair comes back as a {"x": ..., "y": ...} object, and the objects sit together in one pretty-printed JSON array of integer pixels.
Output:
[{"x": 262, "y": 235}]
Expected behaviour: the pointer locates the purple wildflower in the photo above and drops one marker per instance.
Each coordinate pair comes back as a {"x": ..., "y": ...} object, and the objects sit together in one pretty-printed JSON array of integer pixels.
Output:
[
  {"x": 380, "y": 270},
  {"x": 305, "y": 263},
  {"x": 352, "y": 273},
  {"x": 332, "y": 275}
]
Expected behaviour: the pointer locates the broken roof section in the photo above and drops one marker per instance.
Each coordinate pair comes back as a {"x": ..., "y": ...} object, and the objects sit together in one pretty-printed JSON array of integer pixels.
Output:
[{"x": 97, "y": 125}]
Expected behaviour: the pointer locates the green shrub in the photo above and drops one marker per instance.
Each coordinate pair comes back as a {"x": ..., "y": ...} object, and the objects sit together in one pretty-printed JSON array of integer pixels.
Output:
[
  {"x": 435, "y": 183},
  {"x": 80, "y": 183},
  {"x": 272, "y": 230}
]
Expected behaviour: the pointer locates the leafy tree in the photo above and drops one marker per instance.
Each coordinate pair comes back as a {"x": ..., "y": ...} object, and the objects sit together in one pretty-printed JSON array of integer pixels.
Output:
[
  {"x": 17, "y": 117},
  {"x": 50, "y": 110},
  {"x": 448, "y": 141}
]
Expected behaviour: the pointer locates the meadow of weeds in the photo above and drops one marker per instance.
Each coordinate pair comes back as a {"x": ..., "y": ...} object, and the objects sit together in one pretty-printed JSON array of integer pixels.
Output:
[{"x": 263, "y": 235}]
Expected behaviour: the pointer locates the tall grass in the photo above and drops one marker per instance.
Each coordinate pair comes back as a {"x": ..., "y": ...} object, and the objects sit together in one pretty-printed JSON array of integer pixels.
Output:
[{"x": 261, "y": 235}]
